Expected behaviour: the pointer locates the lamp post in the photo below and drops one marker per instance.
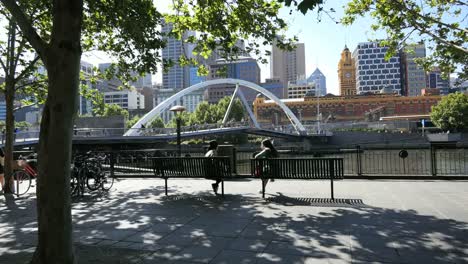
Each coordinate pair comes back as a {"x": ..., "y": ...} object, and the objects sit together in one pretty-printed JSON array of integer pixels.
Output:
[{"x": 178, "y": 109}]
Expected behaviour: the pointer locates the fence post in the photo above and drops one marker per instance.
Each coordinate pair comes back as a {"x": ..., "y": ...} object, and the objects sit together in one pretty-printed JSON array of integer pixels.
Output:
[
  {"x": 433, "y": 160},
  {"x": 358, "y": 160},
  {"x": 331, "y": 164},
  {"x": 112, "y": 162}
]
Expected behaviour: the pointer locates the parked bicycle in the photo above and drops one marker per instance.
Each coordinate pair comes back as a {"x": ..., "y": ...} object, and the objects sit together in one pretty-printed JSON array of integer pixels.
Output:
[
  {"x": 89, "y": 170},
  {"x": 24, "y": 174}
]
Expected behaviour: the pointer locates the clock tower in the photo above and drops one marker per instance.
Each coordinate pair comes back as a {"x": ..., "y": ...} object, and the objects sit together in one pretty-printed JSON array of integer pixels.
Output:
[{"x": 347, "y": 73}]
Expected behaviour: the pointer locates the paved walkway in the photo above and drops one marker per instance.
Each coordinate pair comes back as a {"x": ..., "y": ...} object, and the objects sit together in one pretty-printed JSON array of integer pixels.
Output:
[{"x": 371, "y": 221}]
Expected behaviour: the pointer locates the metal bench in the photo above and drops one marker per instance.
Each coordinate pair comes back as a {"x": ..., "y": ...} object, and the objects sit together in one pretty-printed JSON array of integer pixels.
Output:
[
  {"x": 297, "y": 169},
  {"x": 213, "y": 168}
]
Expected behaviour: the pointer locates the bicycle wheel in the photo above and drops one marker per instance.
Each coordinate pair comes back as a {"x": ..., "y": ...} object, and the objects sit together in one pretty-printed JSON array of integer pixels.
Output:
[
  {"x": 74, "y": 182},
  {"x": 21, "y": 182},
  {"x": 81, "y": 181},
  {"x": 93, "y": 181},
  {"x": 107, "y": 181}
]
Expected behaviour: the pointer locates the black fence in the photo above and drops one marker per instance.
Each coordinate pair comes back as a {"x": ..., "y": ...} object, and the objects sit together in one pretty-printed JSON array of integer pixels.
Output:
[
  {"x": 359, "y": 161},
  {"x": 388, "y": 161}
]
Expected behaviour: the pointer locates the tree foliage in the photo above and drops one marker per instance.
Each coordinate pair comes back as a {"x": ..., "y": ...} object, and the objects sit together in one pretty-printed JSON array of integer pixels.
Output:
[
  {"x": 206, "y": 113},
  {"x": 451, "y": 113},
  {"x": 220, "y": 24},
  {"x": 114, "y": 110},
  {"x": 157, "y": 122},
  {"x": 132, "y": 121}
]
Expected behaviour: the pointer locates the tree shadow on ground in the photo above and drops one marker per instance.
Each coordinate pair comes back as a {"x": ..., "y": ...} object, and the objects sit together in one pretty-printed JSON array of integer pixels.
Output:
[{"x": 145, "y": 226}]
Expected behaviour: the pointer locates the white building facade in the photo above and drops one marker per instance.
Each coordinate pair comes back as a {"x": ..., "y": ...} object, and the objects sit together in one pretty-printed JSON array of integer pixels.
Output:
[
  {"x": 299, "y": 90},
  {"x": 373, "y": 72},
  {"x": 127, "y": 99}
]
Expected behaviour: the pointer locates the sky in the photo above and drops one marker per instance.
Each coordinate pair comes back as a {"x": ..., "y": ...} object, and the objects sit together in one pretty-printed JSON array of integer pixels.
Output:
[{"x": 324, "y": 41}]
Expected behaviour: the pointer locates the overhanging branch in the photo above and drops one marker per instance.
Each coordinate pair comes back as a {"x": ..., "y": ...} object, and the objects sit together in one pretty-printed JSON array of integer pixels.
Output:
[
  {"x": 27, "y": 69},
  {"x": 26, "y": 27}
]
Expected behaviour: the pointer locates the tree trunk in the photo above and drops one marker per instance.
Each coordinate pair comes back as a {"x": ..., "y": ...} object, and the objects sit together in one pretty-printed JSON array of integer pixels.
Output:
[
  {"x": 9, "y": 97},
  {"x": 55, "y": 243},
  {"x": 9, "y": 136}
]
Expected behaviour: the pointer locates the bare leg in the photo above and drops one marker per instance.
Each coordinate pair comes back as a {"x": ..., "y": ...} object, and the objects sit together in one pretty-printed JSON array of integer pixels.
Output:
[{"x": 2, "y": 180}]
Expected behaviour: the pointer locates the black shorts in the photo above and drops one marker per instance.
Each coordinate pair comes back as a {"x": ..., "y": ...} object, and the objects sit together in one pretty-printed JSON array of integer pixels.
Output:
[{"x": 1, "y": 169}]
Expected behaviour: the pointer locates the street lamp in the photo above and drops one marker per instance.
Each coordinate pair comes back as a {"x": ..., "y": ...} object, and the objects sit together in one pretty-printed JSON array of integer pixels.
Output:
[{"x": 178, "y": 109}]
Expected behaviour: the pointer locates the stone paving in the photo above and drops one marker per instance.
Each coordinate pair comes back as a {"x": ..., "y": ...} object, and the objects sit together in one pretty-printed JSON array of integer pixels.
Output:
[{"x": 369, "y": 222}]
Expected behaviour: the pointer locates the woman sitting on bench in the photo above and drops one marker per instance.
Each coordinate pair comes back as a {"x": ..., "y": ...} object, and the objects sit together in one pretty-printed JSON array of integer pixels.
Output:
[{"x": 268, "y": 152}]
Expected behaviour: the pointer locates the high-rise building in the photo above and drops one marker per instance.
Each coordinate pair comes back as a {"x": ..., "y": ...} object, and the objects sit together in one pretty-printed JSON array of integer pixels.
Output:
[
  {"x": 114, "y": 82},
  {"x": 244, "y": 68},
  {"x": 414, "y": 75},
  {"x": 373, "y": 71},
  {"x": 347, "y": 73},
  {"x": 238, "y": 50},
  {"x": 194, "y": 78},
  {"x": 176, "y": 77},
  {"x": 320, "y": 81},
  {"x": 85, "y": 106},
  {"x": 2, "y": 110},
  {"x": 435, "y": 80},
  {"x": 275, "y": 86},
  {"x": 288, "y": 66}
]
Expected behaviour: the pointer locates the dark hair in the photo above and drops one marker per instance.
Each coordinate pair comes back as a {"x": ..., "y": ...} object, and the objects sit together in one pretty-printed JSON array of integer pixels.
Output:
[
  {"x": 213, "y": 145},
  {"x": 267, "y": 144}
]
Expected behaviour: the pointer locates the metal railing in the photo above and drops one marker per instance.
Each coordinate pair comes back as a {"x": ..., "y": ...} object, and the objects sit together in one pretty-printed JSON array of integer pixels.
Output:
[
  {"x": 359, "y": 161},
  {"x": 362, "y": 161}
]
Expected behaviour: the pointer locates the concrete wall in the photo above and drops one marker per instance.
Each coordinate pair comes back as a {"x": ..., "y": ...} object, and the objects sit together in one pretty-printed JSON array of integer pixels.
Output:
[{"x": 112, "y": 125}]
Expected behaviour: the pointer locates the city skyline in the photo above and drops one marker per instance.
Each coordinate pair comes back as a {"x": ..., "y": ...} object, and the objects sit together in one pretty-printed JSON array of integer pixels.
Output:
[{"x": 323, "y": 41}]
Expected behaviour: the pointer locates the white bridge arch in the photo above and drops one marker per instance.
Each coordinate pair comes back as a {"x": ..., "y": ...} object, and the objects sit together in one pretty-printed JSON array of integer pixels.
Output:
[{"x": 135, "y": 131}]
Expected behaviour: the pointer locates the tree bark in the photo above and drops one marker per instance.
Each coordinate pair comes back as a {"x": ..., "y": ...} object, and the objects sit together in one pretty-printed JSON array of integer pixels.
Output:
[
  {"x": 55, "y": 243},
  {"x": 9, "y": 130},
  {"x": 9, "y": 98}
]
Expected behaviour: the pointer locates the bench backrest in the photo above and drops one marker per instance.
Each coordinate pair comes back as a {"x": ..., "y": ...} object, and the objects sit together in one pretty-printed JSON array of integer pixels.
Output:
[
  {"x": 196, "y": 167},
  {"x": 311, "y": 168}
]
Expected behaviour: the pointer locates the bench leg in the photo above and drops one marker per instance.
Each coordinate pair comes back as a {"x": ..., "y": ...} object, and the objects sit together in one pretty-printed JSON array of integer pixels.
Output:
[
  {"x": 165, "y": 181},
  {"x": 263, "y": 187},
  {"x": 332, "y": 193},
  {"x": 222, "y": 188}
]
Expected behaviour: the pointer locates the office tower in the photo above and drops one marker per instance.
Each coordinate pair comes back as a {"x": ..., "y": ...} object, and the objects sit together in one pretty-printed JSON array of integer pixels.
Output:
[
  {"x": 244, "y": 68},
  {"x": 114, "y": 82},
  {"x": 373, "y": 72},
  {"x": 85, "y": 106},
  {"x": 414, "y": 75},
  {"x": 347, "y": 73},
  {"x": 176, "y": 77},
  {"x": 435, "y": 80},
  {"x": 288, "y": 66},
  {"x": 320, "y": 81},
  {"x": 275, "y": 86}
]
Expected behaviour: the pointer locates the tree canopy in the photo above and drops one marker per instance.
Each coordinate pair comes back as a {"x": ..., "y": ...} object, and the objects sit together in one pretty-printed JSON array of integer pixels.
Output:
[
  {"x": 114, "y": 110},
  {"x": 451, "y": 113}
]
